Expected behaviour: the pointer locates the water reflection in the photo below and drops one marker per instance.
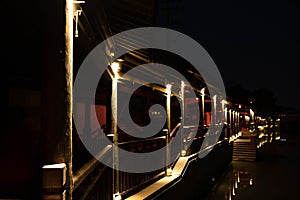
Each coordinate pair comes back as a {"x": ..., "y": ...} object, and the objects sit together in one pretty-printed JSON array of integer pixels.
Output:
[
  {"x": 275, "y": 175},
  {"x": 241, "y": 180},
  {"x": 238, "y": 181}
]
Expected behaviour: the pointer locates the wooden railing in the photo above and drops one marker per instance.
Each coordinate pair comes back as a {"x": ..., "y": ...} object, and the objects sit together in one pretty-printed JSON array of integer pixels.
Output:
[{"x": 94, "y": 180}]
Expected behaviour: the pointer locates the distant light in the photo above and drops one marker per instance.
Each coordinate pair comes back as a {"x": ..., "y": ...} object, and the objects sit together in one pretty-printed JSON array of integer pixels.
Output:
[{"x": 247, "y": 118}]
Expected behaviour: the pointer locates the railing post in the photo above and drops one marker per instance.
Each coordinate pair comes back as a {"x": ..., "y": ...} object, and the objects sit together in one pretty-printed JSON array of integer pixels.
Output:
[{"x": 54, "y": 181}]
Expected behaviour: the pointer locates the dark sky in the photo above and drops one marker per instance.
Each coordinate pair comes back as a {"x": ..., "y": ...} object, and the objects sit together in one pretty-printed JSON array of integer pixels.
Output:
[{"x": 254, "y": 43}]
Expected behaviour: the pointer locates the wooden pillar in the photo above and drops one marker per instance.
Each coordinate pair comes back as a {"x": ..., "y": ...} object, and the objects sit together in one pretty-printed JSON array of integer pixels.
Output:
[
  {"x": 57, "y": 81},
  {"x": 214, "y": 108},
  {"x": 183, "y": 145},
  {"x": 202, "y": 106},
  {"x": 114, "y": 131},
  {"x": 168, "y": 108}
]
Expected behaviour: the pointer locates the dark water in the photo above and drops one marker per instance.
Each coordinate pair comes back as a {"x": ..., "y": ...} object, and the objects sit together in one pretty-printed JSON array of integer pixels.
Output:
[{"x": 275, "y": 174}]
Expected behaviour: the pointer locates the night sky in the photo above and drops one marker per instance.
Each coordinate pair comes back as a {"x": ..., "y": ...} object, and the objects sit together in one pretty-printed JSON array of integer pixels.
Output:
[{"x": 255, "y": 44}]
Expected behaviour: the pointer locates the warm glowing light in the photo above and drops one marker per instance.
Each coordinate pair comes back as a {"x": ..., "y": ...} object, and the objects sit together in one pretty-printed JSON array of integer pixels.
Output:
[
  {"x": 182, "y": 84},
  {"x": 168, "y": 89},
  {"x": 55, "y": 166},
  {"x": 117, "y": 196},
  {"x": 278, "y": 138},
  {"x": 202, "y": 91},
  {"x": 169, "y": 172},
  {"x": 247, "y": 118},
  {"x": 120, "y": 60},
  {"x": 115, "y": 66},
  {"x": 183, "y": 153}
]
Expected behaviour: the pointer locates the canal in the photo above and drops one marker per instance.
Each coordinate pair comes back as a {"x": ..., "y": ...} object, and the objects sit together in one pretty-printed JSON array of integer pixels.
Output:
[{"x": 275, "y": 174}]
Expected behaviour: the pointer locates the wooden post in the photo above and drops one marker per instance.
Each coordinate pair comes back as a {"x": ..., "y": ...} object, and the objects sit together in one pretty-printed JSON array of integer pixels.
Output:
[
  {"x": 202, "y": 106},
  {"x": 183, "y": 145},
  {"x": 57, "y": 97},
  {"x": 168, "y": 150}
]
